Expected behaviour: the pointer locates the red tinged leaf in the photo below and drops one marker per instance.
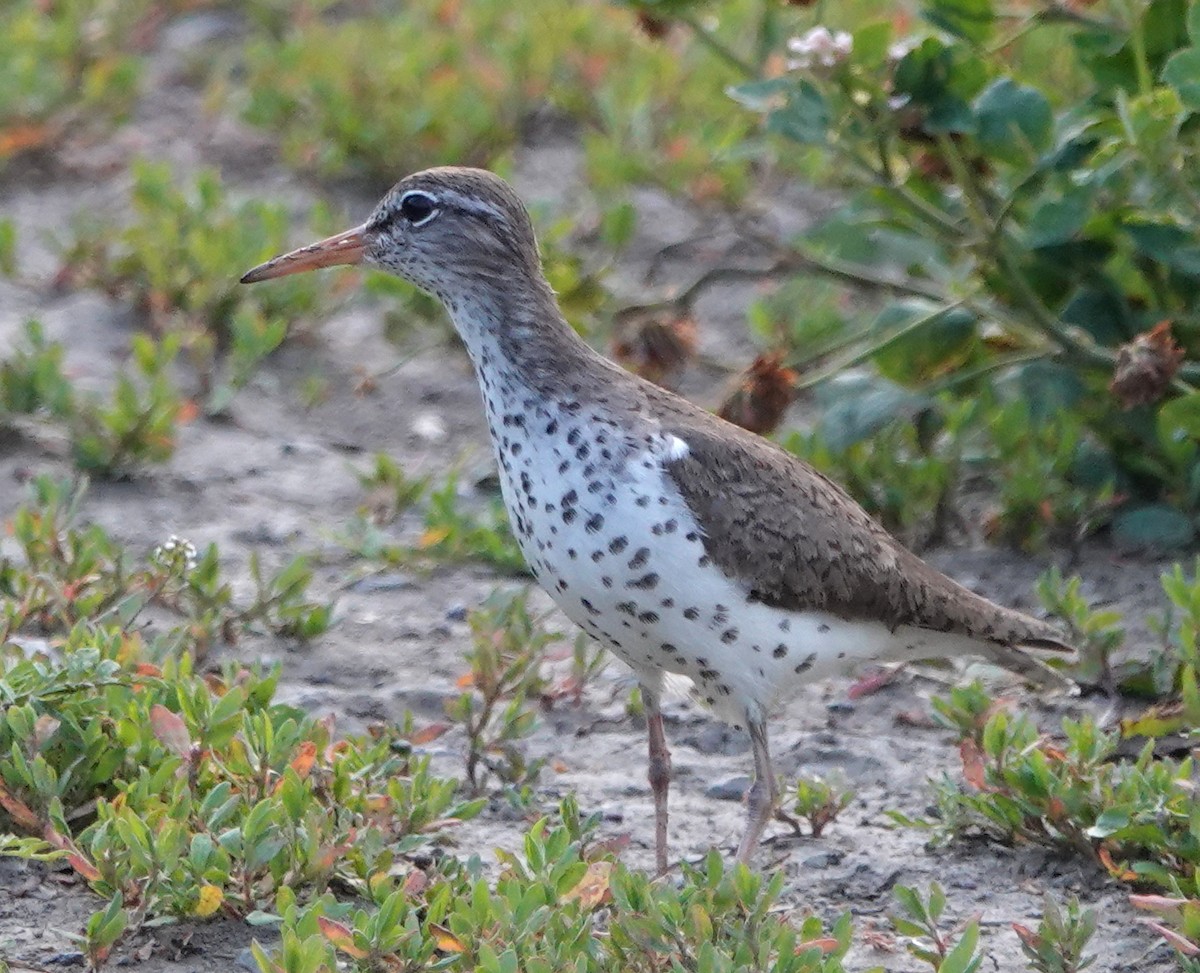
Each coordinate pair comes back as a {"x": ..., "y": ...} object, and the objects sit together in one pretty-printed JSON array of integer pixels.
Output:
[
  {"x": 826, "y": 944},
  {"x": 872, "y": 682},
  {"x": 592, "y": 889},
  {"x": 1027, "y": 936},
  {"x": 415, "y": 882},
  {"x": 22, "y": 815},
  {"x": 974, "y": 770},
  {"x": 341, "y": 937},
  {"x": 304, "y": 760},
  {"x": 170, "y": 730},
  {"x": 427, "y": 734},
  {"x": 1185, "y": 946},
  {"x": 84, "y": 867}
]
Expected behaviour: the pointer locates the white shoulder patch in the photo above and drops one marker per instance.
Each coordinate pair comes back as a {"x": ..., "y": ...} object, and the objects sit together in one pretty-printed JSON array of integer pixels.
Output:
[{"x": 674, "y": 448}]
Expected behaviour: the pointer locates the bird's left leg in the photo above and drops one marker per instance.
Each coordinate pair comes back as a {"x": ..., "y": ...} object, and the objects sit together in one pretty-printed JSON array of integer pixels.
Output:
[
  {"x": 660, "y": 772},
  {"x": 763, "y": 794}
]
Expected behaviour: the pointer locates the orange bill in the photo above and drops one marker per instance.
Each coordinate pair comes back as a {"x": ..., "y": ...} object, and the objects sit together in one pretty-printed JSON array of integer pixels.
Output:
[{"x": 344, "y": 248}]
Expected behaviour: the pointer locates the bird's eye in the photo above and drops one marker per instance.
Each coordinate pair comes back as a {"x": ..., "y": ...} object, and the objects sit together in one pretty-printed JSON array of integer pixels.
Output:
[{"x": 418, "y": 208}]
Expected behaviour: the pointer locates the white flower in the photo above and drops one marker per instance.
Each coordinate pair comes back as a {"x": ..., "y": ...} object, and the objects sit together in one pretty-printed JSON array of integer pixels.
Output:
[
  {"x": 819, "y": 48},
  {"x": 177, "y": 552},
  {"x": 899, "y": 50}
]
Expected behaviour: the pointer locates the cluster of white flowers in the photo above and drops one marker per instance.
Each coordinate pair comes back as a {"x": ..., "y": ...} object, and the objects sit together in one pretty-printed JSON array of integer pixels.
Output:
[
  {"x": 819, "y": 48},
  {"x": 176, "y": 552}
]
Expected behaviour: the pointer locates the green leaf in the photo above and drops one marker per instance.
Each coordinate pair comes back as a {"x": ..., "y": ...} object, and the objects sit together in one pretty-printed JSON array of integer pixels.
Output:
[
  {"x": 971, "y": 20},
  {"x": 1168, "y": 244},
  {"x": 1153, "y": 526},
  {"x": 936, "y": 344},
  {"x": 962, "y": 958},
  {"x": 804, "y": 117},
  {"x": 861, "y": 409},
  {"x": 1182, "y": 72},
  {"x": 1015, "y": 120},
  {"x": 1112, "y": 820}
]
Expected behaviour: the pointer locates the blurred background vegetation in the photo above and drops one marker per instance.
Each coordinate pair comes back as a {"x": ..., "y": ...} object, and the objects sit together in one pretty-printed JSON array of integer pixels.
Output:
[
  {"x": 1001, "y": 299},
  {"x": 989, "y": 327}
]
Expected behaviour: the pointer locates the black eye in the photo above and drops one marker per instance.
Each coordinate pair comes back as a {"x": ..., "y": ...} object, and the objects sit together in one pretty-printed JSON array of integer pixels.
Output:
[{"x": 417, "y": 208}]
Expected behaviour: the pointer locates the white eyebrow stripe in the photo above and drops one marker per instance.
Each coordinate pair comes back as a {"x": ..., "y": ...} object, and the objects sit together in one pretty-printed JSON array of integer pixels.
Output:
[{"x": 470, "y": 204}]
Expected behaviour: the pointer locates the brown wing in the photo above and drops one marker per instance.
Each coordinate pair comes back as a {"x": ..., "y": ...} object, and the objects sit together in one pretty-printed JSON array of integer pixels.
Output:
[{"x": 797, "y": 540}]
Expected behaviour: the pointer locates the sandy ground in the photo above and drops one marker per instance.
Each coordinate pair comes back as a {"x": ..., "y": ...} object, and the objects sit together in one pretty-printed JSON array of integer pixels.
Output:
[{"x": 279, "y": 479}]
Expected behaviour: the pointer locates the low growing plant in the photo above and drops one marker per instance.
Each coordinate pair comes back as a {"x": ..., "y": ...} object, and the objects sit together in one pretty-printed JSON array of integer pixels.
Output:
[{"x": 177, "y": 263}]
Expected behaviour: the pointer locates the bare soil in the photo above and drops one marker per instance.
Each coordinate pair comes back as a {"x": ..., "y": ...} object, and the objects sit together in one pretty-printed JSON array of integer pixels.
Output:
[{"x": 278, "y": 479}]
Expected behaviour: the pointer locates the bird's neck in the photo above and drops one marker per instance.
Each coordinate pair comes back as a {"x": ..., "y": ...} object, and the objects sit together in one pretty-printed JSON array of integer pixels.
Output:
[{"x": 519, "y": 342}]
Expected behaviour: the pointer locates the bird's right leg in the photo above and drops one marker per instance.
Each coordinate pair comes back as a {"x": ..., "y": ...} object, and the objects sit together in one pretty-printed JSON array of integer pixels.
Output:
[{"x": 660, "y": 773}]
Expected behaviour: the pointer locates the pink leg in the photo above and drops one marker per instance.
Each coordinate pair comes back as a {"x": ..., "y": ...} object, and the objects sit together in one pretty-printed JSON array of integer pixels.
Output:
[
  {"x": 763, "y": 794},
  {"x": 660, "y": 775}
]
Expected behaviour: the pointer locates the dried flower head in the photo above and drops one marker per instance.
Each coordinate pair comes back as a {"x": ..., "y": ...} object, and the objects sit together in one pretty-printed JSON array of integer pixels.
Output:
[
  {"x": 176, "y": 555},
  {"x": 762, "y": 396},
  {"x": 1145, "y": 367},
  {"x": 656, "y": 347},
  {"x": 819, "y": 49},
  {"x": 656, "y": 28}
]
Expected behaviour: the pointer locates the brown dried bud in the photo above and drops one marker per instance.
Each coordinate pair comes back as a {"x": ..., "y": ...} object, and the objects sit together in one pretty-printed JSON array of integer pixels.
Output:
[
  {"x": 653, "y": 27},
  {"x": 799, "y": 3},
  {"x": 1145, "y": 367},
  {"x": 762, "y": 396},
  {"x": 656, "y": 347}
]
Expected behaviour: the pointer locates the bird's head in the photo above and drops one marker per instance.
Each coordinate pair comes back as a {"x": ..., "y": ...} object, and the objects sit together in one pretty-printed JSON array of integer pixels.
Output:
[{"x": 442, "y": 229}]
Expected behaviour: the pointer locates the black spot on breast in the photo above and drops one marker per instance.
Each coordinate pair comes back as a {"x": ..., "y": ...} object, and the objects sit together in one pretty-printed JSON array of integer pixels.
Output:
[
  {"x": 573, "y": 437},
  {"x": 823, "y": 628},
  {"x": 568, "y": 515},
  {"x": 645, "y": 582},
  {"x": 785, "y": 625},
  {"x": 591, "y": 609},
  {"x": 627, "y": 608},
  {"x": 640, "y": 557},
  {"x": 807, "y": 663},
  {"x": 594, "y": 523},
  {"x": 606, "y": 581},
  {"x": 597, "y": 556},
  {"x": 667, "y": 603},
  {"x": 617, "y": 545},
  {"x": 729, "y": 636},
  {"x": 570, "y": 498},
  {"x": 571, "y": 553},
  {"x": 779, "y": 651},
  {"x": 648, "y": 618},
  {"x": 704, "y": 561},
  {"x": 551, "y": 427},
  {"x": 691, "y": 614}
]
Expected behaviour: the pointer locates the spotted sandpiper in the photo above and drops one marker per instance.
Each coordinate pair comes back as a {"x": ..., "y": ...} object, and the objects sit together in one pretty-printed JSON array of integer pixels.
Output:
[{"x": 682, "y": 543}]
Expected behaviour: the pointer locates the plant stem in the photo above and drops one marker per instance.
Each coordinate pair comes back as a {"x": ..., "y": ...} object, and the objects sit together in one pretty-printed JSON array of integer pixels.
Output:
[{"x": 718, "y": 47}]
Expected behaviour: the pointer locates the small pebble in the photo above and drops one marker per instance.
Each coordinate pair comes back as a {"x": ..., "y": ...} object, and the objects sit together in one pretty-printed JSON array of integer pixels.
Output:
[
  {"x": 825, "y": 859},
  {"x": 733, "y": 789},
  {"x": 456, "y": 613},
  {"x": 840, "y": 706},
  {"x": 388, "y": 581}
]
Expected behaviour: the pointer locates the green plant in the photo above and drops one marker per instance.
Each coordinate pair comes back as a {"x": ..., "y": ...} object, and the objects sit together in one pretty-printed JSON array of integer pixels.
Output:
[
  {"x": 920, "y": 919},
  {"x": 389, "y": 490},
  {"x": 1060, "y": 940},
  {"x": 508, "y": 647},
  {"x": 450, "y": 532},
  {"x": 69, "y": 576},
  {"x": 62, "y": 66},
  {"x": 1096, "y": 633},
  {"x": 1028, "y": 233},
  {"x": 330, "y": 90},
  {"x": 109, "y": 438},
  {"x": 178, "y": 261},
  {"x": 819, "y": 802},
  {"x": 561, "y": 905}
]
